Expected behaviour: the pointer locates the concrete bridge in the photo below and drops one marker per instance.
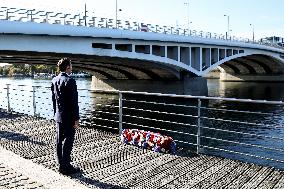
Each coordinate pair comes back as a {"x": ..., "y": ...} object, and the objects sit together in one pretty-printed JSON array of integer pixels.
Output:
[{"x": 116, "y": 56}]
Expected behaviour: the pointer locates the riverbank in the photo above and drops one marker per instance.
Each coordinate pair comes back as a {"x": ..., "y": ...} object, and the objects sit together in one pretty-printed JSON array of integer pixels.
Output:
[{"x": 44, "y": 76}]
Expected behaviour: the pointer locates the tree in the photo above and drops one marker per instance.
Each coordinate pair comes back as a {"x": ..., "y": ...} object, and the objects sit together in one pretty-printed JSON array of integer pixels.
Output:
[
  {"x": 5, "y": 70},
  {"x": 27, "y": 69}
]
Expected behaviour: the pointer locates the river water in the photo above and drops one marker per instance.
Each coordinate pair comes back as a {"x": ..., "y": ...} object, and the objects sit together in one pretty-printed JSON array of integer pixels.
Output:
[
  {"x": 243, "y": 90},
  {"x": 274, "y": 136}
]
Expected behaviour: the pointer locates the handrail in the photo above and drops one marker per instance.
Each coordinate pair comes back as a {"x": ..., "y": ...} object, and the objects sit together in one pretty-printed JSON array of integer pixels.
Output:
[
  {"x": 90, "y": 21},
  {"x": 202, "y": 97},
  {"x": 187, "y": 96},
  {"x": 189, "y": 123}
]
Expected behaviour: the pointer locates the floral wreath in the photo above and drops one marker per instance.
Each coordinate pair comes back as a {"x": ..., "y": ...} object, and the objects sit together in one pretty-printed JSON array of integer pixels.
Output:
[{"x": 149, "y": 140}]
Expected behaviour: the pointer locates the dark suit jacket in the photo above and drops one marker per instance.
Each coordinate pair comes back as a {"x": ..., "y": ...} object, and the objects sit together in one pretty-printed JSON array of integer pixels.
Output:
[{"x": 65, "y": 99}]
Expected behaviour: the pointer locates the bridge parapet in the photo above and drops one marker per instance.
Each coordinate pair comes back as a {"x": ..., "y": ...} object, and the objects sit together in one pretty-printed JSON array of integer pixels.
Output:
[{"x": 39, "y": 16}]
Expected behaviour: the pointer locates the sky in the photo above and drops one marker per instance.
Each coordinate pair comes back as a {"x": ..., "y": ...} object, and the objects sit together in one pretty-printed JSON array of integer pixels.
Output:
[{"x": 265, "y": 16}]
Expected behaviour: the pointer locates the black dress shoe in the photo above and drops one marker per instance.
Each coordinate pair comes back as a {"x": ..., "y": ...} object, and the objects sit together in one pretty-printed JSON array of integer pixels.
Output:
[{"x": 69, "y": 170}]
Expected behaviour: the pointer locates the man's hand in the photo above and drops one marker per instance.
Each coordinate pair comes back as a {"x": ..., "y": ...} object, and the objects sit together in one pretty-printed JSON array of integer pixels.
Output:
[{"x": 76, "y": 124}]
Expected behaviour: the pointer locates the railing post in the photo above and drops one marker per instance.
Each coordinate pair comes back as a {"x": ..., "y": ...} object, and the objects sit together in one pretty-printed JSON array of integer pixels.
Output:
[
  {"x": 198, "y": 126},
  {"x": 8, "y": 98},
  {"x": 31, "y": 15},
  {"x": 46, "y": 17},
  {"x": 34, "y": 100},
  {"x": 120, "y": 112},
  {"x": 7, "y": 14}
]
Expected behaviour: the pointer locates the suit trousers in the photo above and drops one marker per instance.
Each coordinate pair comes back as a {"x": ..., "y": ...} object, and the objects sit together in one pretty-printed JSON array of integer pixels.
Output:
[{"x": 65, "y": 135}]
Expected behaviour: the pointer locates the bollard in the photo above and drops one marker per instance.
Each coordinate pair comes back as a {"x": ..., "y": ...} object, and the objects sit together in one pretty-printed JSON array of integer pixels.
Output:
[
  {"x": 198, "y": 126},
  {"x": 8, "y": 98},
  {"x": 120, "y": 112}
]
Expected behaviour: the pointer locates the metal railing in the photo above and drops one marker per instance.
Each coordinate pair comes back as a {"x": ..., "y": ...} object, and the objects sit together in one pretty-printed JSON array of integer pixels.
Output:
[
  {"x": 49, "y": 17},
  {"x": 243, "y": 129}
]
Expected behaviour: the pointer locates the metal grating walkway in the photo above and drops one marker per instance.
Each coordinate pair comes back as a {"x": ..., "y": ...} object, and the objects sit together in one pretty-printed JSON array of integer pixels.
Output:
[{"x": 107, "y": 163}]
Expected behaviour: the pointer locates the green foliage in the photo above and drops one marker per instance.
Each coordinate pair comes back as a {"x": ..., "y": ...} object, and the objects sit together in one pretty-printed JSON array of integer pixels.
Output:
[{"x": 26, "y": 69}]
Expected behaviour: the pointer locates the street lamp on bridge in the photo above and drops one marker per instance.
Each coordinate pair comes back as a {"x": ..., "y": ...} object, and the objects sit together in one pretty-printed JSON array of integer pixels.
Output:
[
  {"x": 188, "y": 11},
  {"x": 116, "y": 11},
  {"x": 252, "y": 25},
  {"x": 228, "y": 25},
  {"x": 85, "y": 16}
]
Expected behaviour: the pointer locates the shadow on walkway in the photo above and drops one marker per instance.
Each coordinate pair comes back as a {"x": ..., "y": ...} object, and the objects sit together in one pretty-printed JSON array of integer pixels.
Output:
[
  {"x": 80, "y": 176},
  {"x": 18, "y": 137}
]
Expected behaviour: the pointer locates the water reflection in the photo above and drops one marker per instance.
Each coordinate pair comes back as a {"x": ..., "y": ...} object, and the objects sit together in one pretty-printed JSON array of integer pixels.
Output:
[{"x": 247, "y": 90}]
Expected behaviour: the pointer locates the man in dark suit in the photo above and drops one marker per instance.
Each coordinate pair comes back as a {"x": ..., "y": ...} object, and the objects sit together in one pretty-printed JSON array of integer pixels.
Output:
[{"x": 66, "y": 111}]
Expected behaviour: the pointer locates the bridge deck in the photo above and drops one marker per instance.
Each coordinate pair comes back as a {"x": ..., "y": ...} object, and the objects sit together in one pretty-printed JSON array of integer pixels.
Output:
[{"x": 107, "y": 163}]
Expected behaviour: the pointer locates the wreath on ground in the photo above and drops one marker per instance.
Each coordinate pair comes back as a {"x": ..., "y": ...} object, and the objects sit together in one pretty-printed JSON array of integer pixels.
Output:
[{"x": 149, "y": 140}]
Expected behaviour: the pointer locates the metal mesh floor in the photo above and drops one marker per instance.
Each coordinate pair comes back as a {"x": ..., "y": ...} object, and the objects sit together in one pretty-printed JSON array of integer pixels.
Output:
[{"x": 107, "y": 163}]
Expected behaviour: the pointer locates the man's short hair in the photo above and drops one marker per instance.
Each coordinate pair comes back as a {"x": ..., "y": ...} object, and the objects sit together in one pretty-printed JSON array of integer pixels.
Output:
[{"x": 63, "y": 64}]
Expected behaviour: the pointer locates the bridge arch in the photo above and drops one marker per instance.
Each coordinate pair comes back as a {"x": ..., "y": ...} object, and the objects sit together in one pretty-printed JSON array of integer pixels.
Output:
[{"x": 250, "y": 64}]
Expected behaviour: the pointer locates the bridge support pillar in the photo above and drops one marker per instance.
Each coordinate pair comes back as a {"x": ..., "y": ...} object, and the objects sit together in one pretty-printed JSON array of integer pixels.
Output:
[{"x": 196, "y": 86}]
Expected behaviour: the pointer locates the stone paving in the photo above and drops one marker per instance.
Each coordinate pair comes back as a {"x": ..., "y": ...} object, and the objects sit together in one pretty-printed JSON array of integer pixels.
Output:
[
  {"x": 107, "y": 163},
  {"x": 17, "y": 172}
]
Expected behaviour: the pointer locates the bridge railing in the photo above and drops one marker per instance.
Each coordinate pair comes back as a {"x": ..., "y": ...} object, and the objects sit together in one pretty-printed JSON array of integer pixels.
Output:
[
  {"x": 49, "y": 17},
  {"x": 36, "y": 101},
  {"x": 243, "y": 129}
]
